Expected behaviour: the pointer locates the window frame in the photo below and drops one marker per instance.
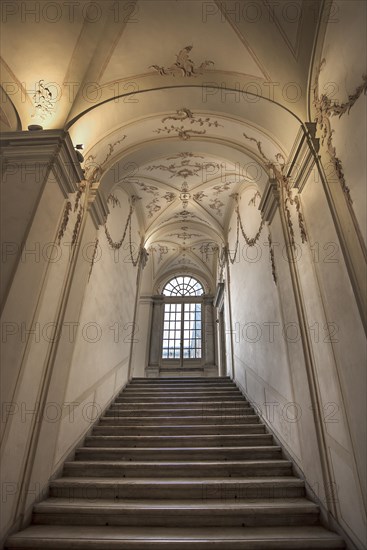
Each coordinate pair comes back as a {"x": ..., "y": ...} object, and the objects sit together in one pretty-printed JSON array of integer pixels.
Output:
[
  {"x": 182, "y": 314},
  {"x": 180, "y": 286},
  {"x": 186, "y": 302}
]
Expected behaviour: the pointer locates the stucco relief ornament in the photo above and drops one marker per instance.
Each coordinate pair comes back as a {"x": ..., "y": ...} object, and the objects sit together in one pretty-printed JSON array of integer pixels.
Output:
[
  {"x": 77, "y": 226},
  {"x": 185, "y": 215},
  {"x": 151, "y": 189},
  {"x": 185, "y": 195},
  {"x": 216, "y": 205},
  {"x": 113, "y": 200},
  {"x": 207, "y": 250},
  {"x": 272, "y": 260},
  {"x": 144, "y": 256},
  {"x": 65, "y": 220},
  {"x": 183, "y": 66},
  {"x": 253, "y": 200},
  {"x": 222, "y": 260},
  {"x": 184, "y": 236},
  {"x": 199, "y": 196},
  {"x": 93, "y": 170},
  {"x": 218, "y": 189},
  {"x": 115, "y": 245},
  {"x": 185, "y": 155},
  {"x": 161, "y": 251},
  {"x": 79, "y": 194},
  {"x": 184, "y": 168},
  {"x": 169, "y": 197},
  {"x": 250, "y": 241},
  {"x": 325, "y": 108},
  {"x": 182, "y": 132},
  {"x": 93, "y": 257},
  {"x": 277, "y": 171},
  {"x": 153, "y": 207},
  {"x": 44, "y": 103}
]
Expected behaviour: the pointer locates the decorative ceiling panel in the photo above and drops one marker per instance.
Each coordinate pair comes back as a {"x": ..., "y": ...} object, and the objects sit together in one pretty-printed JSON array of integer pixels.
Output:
[{"x": 178, "y": 39}]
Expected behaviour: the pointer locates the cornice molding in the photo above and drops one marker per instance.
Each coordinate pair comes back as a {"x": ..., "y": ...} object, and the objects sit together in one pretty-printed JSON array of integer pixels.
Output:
[
  {"x": 219, "y": 296},
  {"x": 97, "y": 205},
  {"x": 302, "y": 159},
  {"x": 270, "y": 200},
  {"x": 52, "y": 149}
]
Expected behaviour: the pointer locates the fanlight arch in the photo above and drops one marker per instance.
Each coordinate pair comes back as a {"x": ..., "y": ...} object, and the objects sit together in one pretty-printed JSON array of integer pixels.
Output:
[{"x": 184, "y": 285}]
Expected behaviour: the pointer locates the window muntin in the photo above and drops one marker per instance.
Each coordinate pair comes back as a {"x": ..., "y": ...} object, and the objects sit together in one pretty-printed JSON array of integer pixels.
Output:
[
  {"x": 172, "y": 329},
  {"x": 191, "y": 347},
  {"x": 182, "y": 331},
  {"x": 183, "y": 286},
  {"x": 182, "y": 322}
]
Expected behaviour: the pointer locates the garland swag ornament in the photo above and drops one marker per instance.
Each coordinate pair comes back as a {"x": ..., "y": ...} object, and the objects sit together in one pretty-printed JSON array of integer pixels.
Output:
[{"x": 116, "y": 245}]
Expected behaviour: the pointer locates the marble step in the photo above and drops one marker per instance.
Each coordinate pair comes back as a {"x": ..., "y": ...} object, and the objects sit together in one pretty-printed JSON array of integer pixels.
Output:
[
  {"x": 179, "y": 420},
  {"x": 184, "y": 392},
  {"x": 208, "y": 406},
  {"x": 186, "y": 429},
  {"x": 182, "y": 469},
  {"x": 120, "y": 412},
  {"x": 52, "y": 537},
  {"x": 225, "y": 489},
  {"x": 176, "y": 513},
  {"x": 174, "y": 464},
  {"x": 178, "y": 441},
  {"x": 181, "y": 387},
  {"x": 178, "y": 453},
  {"x": 178, "y": 379},
  {"x": 170, "y": 397}
]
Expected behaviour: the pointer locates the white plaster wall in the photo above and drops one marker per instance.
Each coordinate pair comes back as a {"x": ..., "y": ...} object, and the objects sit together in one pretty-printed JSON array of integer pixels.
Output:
[
  {"x": 21, "y": 189},
  {"x": 78, "y": 385},
  {"x": 100, "y": 360},
  {"x": 345, "y": 54},
  {"x": 273, "y": 371},
  {"x": 339, "y": 352},
  {"x": 341, "y": 362},
  {"x": 32, "y": 304},
  {"x": 260, "y": 352}
]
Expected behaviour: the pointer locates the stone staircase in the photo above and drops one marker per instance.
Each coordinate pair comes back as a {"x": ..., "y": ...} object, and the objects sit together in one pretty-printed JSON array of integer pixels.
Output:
[{"x": 177, "y": 464}]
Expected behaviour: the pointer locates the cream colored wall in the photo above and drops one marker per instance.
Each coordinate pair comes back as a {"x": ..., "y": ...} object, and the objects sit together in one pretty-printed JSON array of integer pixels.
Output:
[
  {"x": 32, "y": 303},
  {"x": 100, "y": 361},
  {"x": 54, "y": 388},
  {"x": 339, "y": 354},
  {"x": 261, "y": 362},
  {"x": 327, "y": 373},
  {"x": 275, "y": 374},
  {"x": 344, "y": 51},
  {"x": 20, "y": 186}
]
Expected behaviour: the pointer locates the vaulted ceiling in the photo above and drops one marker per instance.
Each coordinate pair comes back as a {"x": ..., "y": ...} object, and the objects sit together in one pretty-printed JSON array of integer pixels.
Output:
[{"x": 161, "y": 93}]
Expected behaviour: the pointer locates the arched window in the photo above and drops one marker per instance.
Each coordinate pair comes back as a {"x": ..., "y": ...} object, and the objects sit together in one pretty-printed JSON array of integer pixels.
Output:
[
  {"x": 183, "y": 286},
  {"x": 182, "y": 329}
]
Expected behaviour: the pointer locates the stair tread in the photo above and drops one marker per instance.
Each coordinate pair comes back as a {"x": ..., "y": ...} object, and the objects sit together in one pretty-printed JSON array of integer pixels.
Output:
[
  {"x": 182, "y": 426},
  {"x": 174, "y": 533},
  {"x": 183, "y": 449},
  {"x": 55, "y": 503},
  {"x": 191, "y": 463},
  {"x": 198, "y": 437},
  {"x": 172, "y": 491},
  {"x": 150, "y": 417},
  {"x": 181, "y": 481},
  {"x": 211, "y": 405}
]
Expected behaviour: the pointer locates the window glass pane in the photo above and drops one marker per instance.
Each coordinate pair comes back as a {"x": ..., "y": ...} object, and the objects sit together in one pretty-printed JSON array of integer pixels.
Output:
[
  {"x": 182, "y": 320},
  {"x": 171, "y": 345},
  {"x": 183, "y": 286}
]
